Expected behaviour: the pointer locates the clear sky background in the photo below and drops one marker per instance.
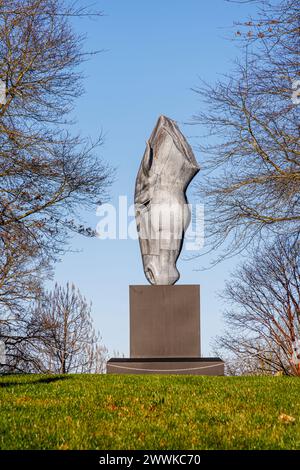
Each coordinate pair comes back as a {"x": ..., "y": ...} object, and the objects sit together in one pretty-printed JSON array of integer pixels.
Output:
[{"x": 155, "y": 52}]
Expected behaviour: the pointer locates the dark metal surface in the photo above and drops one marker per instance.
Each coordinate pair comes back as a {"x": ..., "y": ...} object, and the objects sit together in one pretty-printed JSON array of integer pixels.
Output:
[{"x": 165, "y": 321}]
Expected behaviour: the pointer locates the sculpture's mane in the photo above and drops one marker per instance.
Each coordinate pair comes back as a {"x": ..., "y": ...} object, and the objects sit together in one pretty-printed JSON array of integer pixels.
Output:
[
  {"x": 169, "y": 126},
  {"x": 156, "y": 163}
]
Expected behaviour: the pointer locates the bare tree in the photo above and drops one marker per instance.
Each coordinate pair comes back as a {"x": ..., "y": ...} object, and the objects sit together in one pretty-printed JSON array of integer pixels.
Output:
[
  {"x": 263, "y": 323},
  {"x": 62, "y": 337},
  {"x": 23, "y": 267},
  {"x": 251, "y": 121},
  {"x": 47, "y": 174}
]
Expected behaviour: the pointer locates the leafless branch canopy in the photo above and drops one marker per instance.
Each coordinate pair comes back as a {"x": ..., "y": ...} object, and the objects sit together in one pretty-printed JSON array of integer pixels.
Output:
[
  {"x": 264, "y": 318},
  {"x": 251, "y": 121},
  {"x": 59, "y": 337},
  {"x": 48, "y": 173}
]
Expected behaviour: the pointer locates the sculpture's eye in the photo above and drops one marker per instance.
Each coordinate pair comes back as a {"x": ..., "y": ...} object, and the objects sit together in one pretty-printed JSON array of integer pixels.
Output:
[
  {"x": 150, "y": 156},
  {"x": 150, "y": 276},
  {"x": 148, "y": 159}
]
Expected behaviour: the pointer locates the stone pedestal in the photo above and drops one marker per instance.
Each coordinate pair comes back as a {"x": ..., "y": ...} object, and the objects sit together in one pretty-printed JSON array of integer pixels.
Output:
[
  {"x": 165, "y": 333},
  {"x": 164, "y": 321},
  {"x": 178, "y": 366}
]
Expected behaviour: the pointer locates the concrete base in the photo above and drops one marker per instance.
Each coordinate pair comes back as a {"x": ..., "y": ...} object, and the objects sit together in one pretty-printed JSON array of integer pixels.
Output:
[
  {"x": 165, "y": 333},
  {"x": 164, "y": 321},
  {"x": 178, "y": 366}
]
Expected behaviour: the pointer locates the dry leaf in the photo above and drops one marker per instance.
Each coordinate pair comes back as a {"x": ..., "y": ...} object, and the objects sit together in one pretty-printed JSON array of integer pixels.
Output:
[{"x": 286, "y": 418}]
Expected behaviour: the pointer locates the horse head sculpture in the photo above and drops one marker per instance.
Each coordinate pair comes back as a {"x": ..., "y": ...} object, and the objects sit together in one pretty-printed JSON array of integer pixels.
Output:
[{"x": 162, "y": 211}]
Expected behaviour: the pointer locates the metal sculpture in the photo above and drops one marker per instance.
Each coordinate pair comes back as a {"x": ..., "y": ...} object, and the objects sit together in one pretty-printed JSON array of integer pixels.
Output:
[{"x": 162, "y": 211}]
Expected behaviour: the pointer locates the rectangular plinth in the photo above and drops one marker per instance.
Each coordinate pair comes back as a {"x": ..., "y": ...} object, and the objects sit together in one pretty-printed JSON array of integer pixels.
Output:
[
  {"x": 178, "y": 366},
  {"x": 165, "y": 321}
]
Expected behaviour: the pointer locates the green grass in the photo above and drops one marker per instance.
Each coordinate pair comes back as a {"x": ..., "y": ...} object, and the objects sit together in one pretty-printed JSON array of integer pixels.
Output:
[{"x": 148, "y": 412}]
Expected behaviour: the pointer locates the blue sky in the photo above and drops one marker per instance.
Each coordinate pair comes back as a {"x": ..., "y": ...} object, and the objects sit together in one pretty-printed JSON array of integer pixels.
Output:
[{"x": 155, "y": 52}]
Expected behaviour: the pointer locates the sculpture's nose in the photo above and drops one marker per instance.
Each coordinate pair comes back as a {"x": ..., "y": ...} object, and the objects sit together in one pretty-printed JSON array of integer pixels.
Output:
[{"x": 165, "y": 277}]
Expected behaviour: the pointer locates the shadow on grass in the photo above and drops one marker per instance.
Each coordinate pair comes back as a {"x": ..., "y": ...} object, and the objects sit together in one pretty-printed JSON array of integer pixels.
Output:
[{"x": 43, "y": 380}]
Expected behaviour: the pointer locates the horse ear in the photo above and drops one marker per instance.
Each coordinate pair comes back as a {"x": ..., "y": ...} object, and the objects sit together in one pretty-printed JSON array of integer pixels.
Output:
[{"x": 147, "y": 159}]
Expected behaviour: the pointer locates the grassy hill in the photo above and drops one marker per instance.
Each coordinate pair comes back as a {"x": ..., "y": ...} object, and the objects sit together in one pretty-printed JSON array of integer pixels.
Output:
[{"x": 149, "y": 412}]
